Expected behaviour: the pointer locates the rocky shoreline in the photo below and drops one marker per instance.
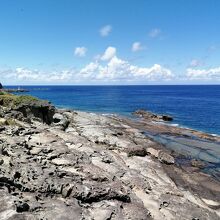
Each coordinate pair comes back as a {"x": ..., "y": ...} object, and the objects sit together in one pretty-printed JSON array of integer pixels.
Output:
[{"x": 61, "y": 164}]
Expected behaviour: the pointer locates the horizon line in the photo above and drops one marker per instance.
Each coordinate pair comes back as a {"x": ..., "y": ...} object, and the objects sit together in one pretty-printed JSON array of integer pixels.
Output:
[{"x": 112, "y": 85}]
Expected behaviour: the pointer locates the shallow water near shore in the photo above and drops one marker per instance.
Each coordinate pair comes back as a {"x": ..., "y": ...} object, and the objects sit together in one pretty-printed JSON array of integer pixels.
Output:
[
  {"x": 192, "y": 148},
  {"x": 195, "y": 107}
]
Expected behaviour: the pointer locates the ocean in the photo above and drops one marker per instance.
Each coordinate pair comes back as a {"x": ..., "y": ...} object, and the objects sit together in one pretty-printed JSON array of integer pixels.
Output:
[{"x": 196, "y": 107}]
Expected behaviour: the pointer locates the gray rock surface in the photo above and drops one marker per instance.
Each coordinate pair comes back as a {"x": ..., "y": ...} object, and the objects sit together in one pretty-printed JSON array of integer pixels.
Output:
[
  {"x": 61, "y": 120},
  {"x": 98, "y": 167},
  {"x": 165, "y": 158}
]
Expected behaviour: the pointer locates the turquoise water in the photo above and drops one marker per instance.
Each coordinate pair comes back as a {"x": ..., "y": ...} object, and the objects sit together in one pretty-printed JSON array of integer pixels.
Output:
[{"x": 196, "y": 107}]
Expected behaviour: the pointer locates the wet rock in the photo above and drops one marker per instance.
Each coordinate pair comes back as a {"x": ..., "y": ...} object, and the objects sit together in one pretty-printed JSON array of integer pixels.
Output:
[{"x": 167, "y": 118}]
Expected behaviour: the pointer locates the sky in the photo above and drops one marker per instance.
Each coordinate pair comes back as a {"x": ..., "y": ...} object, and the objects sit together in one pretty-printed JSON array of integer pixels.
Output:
[{"x": 113, "y": 42}]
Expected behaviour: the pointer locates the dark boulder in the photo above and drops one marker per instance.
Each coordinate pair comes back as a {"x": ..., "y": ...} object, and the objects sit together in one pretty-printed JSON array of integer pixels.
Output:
[
  {"x": 167, "y": 118},
  {"x": 136, "y": 151},
  {"x": 152, "y": 116},
  {"x": 26, "y": 108},
  {"x": 22, "y": 207},
  {"x": 41, "y": 110}
]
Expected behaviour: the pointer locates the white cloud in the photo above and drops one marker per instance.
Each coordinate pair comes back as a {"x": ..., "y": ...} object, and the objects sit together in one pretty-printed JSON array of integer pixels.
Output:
[
  {"x": 156, "y": 72},
  {"x": 80, "y": 51},
  {"x": 105, "y": 31},
  {"x": 114, "y": 70},
  {"x": 117, "y": 70},
  {"x": 203, "y": 74},
  {"x": 136, "y": 46},
  {"x": 60, "y": 76},
  {"x": 154, "y": 32},
  {"x": 109, "y": 53},
  {"x": 24, "y": 75},
  {"x": 89, "y": 71}
]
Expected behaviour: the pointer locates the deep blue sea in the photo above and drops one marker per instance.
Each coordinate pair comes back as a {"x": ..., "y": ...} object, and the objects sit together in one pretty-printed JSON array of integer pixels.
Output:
[{"x": 196, "y": 107}]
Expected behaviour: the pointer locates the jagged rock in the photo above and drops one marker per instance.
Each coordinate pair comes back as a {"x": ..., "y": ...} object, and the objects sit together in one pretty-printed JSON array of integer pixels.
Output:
[
  {"x": 57, "y": 118},
  {"x": 1, "y": 161},
  {"x": 61, "y": 210},
  {"x": 22, "y": 207},
  {"x": 35, "y": 150},
  {"x": 35, "y": 109},
  {"x": 61, "y": 120},
  {"x": 136, "y": 151},
  {"x": 152, "y": 151},
  {"x": 167, "y": 118},
  {"x": 29, "y": 106},
  {"x": 17, "y": 115},
  {"x": 165, "y": 158},
  {"x": 151, "y": 116}
]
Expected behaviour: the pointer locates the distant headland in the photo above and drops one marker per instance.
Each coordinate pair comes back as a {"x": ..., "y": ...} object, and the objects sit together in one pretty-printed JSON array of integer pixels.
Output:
[{"x": 2, "y": 89}]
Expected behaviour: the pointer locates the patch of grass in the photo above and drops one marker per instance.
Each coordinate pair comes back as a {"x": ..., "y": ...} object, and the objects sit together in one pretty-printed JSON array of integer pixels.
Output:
[
  {"x": 10, "y": 100},
  {"x": 25, "y": 99}
]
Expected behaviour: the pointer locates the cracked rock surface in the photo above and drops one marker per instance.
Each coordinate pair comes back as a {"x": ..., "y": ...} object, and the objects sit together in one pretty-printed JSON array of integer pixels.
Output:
[{"x": 88, "y": 166}]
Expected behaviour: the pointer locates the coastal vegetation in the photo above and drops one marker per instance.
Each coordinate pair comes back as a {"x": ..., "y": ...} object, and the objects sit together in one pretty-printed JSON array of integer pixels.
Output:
[{"x": 8, "y": 99}]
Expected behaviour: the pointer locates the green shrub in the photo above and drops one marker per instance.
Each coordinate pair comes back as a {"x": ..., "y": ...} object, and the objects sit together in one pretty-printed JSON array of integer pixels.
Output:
[{"x": 10, "y": 100}]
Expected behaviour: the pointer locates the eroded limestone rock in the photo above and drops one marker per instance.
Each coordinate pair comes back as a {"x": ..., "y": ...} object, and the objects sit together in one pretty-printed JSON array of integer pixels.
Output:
[{"x": 100, "y": 168}]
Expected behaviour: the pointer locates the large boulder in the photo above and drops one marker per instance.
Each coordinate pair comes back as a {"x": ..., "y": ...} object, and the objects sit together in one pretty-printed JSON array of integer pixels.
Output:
[{"x": 60, "y": 120}]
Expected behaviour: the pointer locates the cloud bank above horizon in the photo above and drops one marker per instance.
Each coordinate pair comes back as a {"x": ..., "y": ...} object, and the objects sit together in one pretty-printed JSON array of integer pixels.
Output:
[{"x": 108, "y": 68}]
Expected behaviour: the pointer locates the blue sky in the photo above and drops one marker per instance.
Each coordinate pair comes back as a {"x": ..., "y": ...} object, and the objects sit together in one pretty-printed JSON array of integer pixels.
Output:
[{"x": 110, "y": 42}]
